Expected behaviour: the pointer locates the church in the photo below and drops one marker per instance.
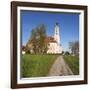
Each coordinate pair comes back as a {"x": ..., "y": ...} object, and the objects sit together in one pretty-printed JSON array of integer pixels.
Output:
[{"x": 54, "y": 44}]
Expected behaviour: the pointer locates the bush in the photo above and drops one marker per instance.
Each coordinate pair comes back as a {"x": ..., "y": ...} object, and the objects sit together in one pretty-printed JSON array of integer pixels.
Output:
[
  {"x": 27, "y": 51},
  {"x": 67, "y": 53}
]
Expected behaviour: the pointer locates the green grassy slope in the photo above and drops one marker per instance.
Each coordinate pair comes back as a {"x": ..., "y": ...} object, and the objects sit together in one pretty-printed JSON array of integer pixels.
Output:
[{"x": 36, "y": 65}]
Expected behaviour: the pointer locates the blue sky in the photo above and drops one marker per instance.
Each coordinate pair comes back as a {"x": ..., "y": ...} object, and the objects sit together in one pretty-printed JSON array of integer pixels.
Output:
[{"x": 68, "y": 23}]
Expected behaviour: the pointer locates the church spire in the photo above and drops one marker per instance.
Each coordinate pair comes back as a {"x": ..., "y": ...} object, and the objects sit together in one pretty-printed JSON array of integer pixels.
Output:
[
  {"x": 56, "y": 34},
  {"x": 57, "y": 23}
]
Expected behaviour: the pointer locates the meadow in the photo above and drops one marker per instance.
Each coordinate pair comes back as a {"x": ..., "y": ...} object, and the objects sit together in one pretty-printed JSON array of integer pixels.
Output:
[{"x": 36, "y": 65}]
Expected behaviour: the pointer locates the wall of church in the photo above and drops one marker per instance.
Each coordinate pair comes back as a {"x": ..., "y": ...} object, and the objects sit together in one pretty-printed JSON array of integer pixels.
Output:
[{"x": 54, "y": 48}]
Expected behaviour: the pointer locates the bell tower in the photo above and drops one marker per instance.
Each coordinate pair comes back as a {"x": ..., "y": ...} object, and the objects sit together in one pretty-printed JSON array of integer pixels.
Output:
[{"x": 57, "y": 33}]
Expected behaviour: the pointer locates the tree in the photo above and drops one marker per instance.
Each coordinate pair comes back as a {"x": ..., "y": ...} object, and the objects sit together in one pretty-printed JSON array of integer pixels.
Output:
[
  {"x": 74, "y": 47},
  {"x": 37, "y": 39},
  {"x": 67, "y": 53},
  {"x": 63, "y": 52},
  {"x": 42, "y": 35}
]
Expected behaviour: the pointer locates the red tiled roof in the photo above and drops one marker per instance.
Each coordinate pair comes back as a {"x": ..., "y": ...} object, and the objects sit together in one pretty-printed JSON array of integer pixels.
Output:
[{"x": 49, "y": 39}]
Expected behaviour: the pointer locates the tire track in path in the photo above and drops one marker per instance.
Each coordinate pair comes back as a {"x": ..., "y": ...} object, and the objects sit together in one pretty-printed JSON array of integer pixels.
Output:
[{"x": 60, "y": 68}]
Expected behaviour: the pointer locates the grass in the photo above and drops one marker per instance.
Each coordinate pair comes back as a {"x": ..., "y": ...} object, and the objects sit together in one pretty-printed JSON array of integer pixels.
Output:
[
  {"x": 36, "y": 65},
  {"x": 73, "y": 62}
]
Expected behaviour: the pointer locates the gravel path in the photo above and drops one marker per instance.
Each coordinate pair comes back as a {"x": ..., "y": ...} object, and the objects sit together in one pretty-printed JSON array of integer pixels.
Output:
[{"x": 60, "y": 68}]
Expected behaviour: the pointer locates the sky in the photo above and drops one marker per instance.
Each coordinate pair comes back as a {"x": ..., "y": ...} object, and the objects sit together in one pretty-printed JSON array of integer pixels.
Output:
[{"x": 68, "y": 23}]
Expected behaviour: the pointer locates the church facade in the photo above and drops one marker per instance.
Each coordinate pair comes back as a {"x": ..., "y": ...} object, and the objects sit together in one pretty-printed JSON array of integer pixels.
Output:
[{"x": 54, "y": 42}]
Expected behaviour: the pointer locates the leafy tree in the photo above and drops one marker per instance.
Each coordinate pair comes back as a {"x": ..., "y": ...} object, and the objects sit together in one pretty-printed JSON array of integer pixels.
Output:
[
  {"x": 38, "y": 36},
  {"x": 67, "y": 53}
]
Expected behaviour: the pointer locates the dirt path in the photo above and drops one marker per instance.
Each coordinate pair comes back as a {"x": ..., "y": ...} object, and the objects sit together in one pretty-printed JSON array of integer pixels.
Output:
[{"x": 60, "y": 68}]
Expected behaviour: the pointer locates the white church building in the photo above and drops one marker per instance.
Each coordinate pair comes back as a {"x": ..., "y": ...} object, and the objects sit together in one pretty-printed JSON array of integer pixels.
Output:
[{"x": 54, "y": 42}]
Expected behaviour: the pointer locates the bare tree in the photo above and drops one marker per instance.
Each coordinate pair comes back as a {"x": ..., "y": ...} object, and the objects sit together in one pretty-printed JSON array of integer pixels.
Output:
[{"x": 74, "y": 47}]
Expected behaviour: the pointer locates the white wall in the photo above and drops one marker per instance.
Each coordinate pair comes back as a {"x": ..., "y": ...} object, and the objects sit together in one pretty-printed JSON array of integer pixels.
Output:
[{"x": 5, "y": 45}]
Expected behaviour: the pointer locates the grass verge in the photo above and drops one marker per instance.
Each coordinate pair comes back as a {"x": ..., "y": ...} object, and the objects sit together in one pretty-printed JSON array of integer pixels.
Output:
[{"x": 73, "y": 62}]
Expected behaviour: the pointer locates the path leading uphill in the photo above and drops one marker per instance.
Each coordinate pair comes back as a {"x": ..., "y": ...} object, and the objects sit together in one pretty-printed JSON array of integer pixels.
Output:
[{"x": 60, "y": 68}]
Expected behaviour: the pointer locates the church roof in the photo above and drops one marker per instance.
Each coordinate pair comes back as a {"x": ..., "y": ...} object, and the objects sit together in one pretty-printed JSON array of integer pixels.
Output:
[{"x": 49, "y": 39}]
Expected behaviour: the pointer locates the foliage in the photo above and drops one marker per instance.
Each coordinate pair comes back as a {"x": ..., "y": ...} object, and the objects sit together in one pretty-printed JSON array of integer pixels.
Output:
[
  {"x": 62, "y": 52},
  {"x": 36, "y": 65},
  {"x": 73, "y": 62},
  {"x": 38, "y": 36},
  {"x": 67, "y": 53}
]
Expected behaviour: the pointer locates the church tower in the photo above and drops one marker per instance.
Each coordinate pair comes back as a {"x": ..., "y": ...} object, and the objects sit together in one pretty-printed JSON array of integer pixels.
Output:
[
  {"x": 57, "y": 33},
  {"x": 55, "y": 45}
]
